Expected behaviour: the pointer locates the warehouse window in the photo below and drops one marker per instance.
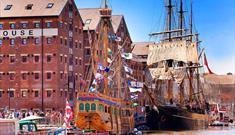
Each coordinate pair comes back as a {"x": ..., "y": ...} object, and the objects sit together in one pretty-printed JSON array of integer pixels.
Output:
[
  {"x": 24, "y": 58},
  {"x": 48, "y": 75},
  {"x": 0, "y": 42},
  {"x": 36, "y": 25},
  {"x": 88, "y": 21},
  {"x": 24, "y": 41},
  {"x": 50, "y": 5},
  {"x": 12, "y": 76},
  {"x": 36, "y": 75},
  {"x": 1, "y": 75},
  {"x": 12, "y": 42},
  {"x": 36, "y": 58},
  {"x": 49, "y": 93},
  {"x": 29, "y": 7},
  {"x": 36, "y": 40},
  {"x": 24, "y": 76},
  {"x": 24, "y": 92},
  {"x": 49, "y": 40},
  {"x": 48, "y": 24},
  {"x": 12, "y": 58},
  {"x": 12, "y": 26},
  {"x": 36, "y": 93},
  {"x": 1, "y": 59},
  {"x": 24, "y": 25},
  {"x": 49, "y": 58},
  {"x": 1, "y": 26},
  {"x": 11, "y": 93},
  {"x": 8, "y": 7}
]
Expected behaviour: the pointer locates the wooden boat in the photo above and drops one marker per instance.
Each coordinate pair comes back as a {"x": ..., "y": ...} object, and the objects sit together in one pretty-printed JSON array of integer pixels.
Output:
[
  {"x": 178, "y": 101},
  {"x": 101, "y": 109}
]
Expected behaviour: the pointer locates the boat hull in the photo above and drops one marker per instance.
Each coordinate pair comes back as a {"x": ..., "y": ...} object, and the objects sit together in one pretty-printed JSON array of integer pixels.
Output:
[{"x": 173, "y": 118}]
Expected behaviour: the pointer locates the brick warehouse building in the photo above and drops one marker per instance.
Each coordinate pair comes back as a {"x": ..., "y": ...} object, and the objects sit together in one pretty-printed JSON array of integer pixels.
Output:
[
  {"x": 39, "y": 39},
  {"x": 91, "y": 18}
]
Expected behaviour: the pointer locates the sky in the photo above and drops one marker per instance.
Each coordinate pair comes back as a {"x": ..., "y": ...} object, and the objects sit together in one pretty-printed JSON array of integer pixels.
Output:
[{"x": 214, "y": 20}]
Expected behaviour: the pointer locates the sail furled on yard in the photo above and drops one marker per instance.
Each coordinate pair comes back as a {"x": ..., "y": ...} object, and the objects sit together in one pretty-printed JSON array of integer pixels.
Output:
[
  {"x": 178, "y": 50},
  {"x": 177, "y": 75}
]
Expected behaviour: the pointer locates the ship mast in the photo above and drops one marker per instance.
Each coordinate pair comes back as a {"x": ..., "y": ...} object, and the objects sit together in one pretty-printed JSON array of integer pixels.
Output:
[
  {"x": 169, "y": 18},
  {"x": 191, "y": 19},
  {"x": 181, "y": 18},
  {"x": 105, "y": 13}
]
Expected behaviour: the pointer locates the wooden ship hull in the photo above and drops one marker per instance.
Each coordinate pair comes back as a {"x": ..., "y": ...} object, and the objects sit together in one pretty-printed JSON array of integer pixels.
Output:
[
  {"x": 103, "y": 114},
  {"x": 174, "y": 118}
]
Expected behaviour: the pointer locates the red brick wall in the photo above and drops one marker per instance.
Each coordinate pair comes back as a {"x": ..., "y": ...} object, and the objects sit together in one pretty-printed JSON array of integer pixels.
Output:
[{"x": 56, "y": 66}]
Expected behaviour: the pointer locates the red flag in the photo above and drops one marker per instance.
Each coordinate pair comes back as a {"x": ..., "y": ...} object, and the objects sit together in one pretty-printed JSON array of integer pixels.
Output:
[
  {"x": 68, "y": 115},
  {"x": 206, "y": 64}
]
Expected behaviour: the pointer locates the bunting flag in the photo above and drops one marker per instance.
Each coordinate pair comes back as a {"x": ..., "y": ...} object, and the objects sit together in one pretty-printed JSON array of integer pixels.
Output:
[
  {"x": 128, "y": 70},
  {"x": 100, "y": 67},
  {"x": 68, "y": 115},
  {"x": 109, "y": 60},
  {"x": 133, "y": 90},
  {"x": 127, "y": 56},
  {"x": 135, "y": 84},
  {"x": 110, "y": 51},
  {"x": 113, "y": 37},
  {"x": 118, "y": 39},
  {"x": 99, "y": 76},
  {"x": 206, "y": 64},
  {"x": 83, "y": 82}
]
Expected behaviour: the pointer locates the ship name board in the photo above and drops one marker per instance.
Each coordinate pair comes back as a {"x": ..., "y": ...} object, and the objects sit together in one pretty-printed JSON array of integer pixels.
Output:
[{"x": 13, "y": 33}]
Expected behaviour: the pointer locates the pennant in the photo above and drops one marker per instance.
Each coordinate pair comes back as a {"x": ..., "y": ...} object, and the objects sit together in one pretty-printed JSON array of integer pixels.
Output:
[
  {"x": 127, "y": 56},
  {"x": 206, "y": 64},
  {"x": 128, "y": 70}
]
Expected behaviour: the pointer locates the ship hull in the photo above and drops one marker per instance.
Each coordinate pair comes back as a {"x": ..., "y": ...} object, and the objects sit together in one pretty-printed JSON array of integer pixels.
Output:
[{"x": 174, "y": 118}]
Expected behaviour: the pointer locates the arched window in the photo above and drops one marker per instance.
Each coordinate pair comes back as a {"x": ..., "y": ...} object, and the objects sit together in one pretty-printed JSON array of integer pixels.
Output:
[
  {"x": 106, "y": 109},
  {"x": 81, "y": 107},
  {"x": 87, "y": 107},
  {"x": 99, "y": 107},
  {"x": 102, "y": 106},
  {"x": 93, "y": 106}
]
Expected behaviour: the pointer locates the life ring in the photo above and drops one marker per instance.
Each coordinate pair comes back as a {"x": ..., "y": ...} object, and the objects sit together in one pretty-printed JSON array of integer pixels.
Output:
[{"x": 163, "y": 119}]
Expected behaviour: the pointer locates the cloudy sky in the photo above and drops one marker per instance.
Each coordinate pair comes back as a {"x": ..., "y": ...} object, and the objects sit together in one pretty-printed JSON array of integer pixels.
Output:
[{"x": 214, "y": 20}]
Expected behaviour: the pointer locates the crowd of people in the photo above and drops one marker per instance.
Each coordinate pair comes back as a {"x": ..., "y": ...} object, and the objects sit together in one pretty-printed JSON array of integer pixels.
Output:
[{"x": 50, "y": 117}]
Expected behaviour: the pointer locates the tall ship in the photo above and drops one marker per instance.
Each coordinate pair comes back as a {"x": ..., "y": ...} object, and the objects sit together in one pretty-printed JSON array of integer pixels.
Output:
[
  {"x": 173, "y": 65},
  {"x": 103, "y": 105}
]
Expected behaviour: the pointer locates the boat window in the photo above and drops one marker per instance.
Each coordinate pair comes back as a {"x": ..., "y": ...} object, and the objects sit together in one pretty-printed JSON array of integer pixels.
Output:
[
  {"x": 99, "y": 107},
  {"x": 102, "y": 108},
  {"x": 106, "y": 109},
  {"x": 170, "y": 63},
  {"x": 81, "y": 107},
  {"x": 93, "y": 106},
  {"x": 87, "y": 106}
]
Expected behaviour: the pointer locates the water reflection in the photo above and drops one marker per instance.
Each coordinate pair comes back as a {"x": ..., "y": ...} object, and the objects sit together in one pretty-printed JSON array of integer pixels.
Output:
[{"x": 209, "y": 131}]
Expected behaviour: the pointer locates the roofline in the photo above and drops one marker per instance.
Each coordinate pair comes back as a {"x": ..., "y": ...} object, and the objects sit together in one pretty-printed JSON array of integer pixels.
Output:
[{"x": 29, "y": 16}]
